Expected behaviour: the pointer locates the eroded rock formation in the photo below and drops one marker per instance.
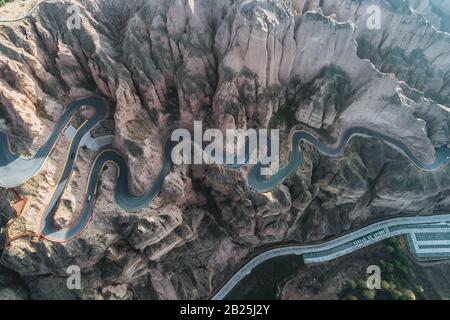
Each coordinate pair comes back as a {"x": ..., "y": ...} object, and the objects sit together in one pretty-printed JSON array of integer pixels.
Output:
[{"x": 232, "y": 64}]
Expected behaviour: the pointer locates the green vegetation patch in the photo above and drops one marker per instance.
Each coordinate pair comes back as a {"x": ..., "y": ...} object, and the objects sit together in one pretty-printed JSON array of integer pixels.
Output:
[
  {"x": 3, "y": 2},
  {"x": 397, "y": 274}
]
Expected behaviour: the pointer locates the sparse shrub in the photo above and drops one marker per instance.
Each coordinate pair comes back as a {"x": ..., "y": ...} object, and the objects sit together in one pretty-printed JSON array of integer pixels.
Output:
[{"x": 369, "y": 294}]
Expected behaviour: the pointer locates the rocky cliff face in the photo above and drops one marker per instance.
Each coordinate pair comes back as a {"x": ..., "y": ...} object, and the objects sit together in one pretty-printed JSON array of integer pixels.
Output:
[{"x": 231, "y": 64}]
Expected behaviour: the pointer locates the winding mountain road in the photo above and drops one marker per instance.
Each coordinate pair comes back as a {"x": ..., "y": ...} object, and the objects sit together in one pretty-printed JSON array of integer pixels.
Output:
[{"x": 15, "y": 171}]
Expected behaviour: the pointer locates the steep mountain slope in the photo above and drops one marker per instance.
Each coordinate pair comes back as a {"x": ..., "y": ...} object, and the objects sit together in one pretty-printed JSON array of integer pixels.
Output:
[{"x": 232, "y": 64}]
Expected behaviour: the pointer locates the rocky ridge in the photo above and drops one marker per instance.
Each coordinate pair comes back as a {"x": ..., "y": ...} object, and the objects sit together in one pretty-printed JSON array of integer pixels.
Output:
[{"x": 232, "y": 64}]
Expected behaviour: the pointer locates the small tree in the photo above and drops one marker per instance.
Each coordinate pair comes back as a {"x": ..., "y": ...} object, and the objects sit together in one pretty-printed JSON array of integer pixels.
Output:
[
  {"x": 409, "y": 295},
  {"x": 419, "y": 289},
  {"x": 385, "y": 285},
  {"x": 351, "y": 284},
  {"x": 369, "y": 294}
]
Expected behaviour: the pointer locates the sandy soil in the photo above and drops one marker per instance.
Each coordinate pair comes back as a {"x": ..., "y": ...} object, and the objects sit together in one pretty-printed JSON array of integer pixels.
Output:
[{"x": 16, "y": 9}]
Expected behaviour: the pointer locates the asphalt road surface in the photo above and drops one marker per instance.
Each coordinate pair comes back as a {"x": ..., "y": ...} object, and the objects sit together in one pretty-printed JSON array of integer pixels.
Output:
[{"x": 15, "y": 171}]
